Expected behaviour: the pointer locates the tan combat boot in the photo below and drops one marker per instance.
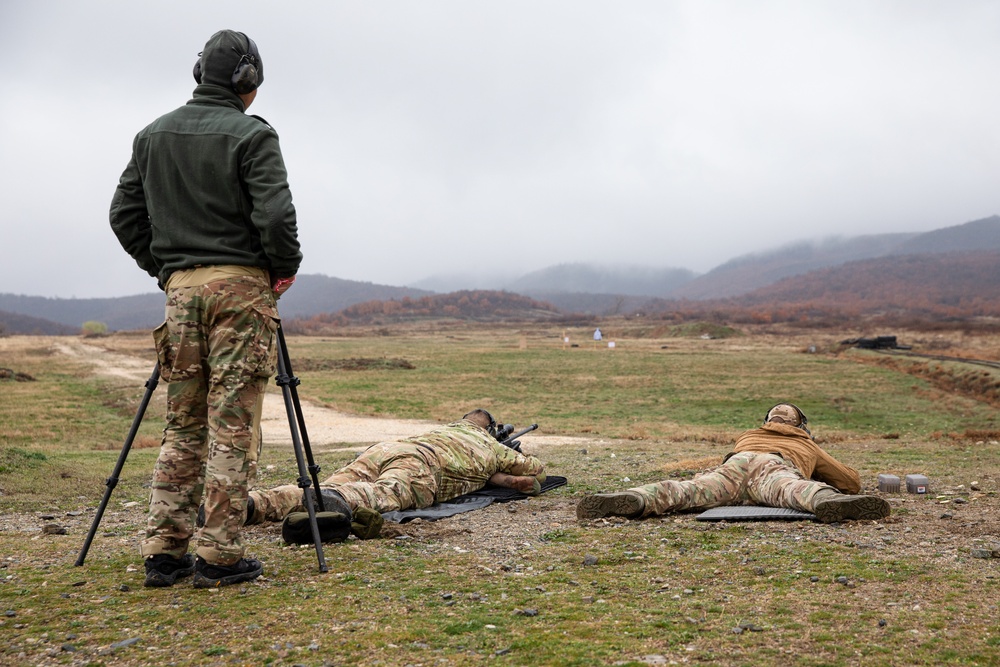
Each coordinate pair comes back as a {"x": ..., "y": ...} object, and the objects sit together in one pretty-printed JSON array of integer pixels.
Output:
[
  {"x": 829, "y": 506},
  {"x": 626, "y": 503}
]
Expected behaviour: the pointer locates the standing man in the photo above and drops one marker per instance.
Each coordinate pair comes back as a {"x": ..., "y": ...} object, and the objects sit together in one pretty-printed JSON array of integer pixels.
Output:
[
  {"x": 204, "y": 206},
  {"x": 776, "y": 465}
]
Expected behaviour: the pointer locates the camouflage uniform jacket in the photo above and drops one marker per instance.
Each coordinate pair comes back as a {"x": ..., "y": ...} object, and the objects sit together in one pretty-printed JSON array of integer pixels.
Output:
[
  {"x": 468, "y": 456},
  {"x": 206, "y": 186},
  {"x": 794, "y": 445}
]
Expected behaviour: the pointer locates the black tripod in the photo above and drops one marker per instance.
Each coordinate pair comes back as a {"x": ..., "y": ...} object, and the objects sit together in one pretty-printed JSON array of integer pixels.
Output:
[{"x": 296, "y": 423}]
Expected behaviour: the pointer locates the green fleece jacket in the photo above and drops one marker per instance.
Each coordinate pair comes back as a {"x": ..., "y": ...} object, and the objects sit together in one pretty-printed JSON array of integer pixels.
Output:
[{"x": 207, "y": 186}]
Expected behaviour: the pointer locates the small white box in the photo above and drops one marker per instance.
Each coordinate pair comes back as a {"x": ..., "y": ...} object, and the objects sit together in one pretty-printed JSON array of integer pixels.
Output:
[
  {"x": 888, "y": 483},
  {"x": 916, "y": 484}
]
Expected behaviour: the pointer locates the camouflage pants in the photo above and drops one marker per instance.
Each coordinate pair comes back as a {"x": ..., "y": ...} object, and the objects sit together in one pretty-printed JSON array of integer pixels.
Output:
[
  {"x": 747, "y": 477},
  {"x": 216, "y": 350},
  {"x": 386, "y": 477}
]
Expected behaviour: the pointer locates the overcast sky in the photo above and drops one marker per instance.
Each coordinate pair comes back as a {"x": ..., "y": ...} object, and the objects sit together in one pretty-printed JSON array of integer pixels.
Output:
[{"x": 661, "y": 133}]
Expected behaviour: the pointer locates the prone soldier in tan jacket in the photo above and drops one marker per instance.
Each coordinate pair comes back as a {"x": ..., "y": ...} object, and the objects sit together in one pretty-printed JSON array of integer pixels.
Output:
[{"x": 777, "y": 465}]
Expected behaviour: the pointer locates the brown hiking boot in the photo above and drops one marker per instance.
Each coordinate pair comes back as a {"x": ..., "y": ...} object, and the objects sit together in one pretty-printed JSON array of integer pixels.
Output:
[
  {"x": 626, "y": 503},
  {"x": 831, "y": 507}
]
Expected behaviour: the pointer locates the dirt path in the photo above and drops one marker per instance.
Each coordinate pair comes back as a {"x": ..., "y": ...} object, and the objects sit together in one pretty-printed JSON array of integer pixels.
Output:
[{"x": 328, "y": 429}]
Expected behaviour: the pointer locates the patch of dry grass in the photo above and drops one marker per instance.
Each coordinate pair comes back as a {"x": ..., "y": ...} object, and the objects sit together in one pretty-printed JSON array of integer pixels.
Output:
[{"x": 510, "y": 584}]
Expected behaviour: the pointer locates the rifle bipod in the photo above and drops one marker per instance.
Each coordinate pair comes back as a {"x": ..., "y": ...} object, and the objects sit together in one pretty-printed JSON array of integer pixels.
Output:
[{"x": 296, "y": 425}]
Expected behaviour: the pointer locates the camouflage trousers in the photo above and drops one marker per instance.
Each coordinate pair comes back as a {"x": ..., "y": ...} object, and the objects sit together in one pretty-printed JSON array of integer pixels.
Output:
[
  {"x": 386, "y": 477},
  {"x": 746, "y": 478},
  {"x": 216, "y": 350}
]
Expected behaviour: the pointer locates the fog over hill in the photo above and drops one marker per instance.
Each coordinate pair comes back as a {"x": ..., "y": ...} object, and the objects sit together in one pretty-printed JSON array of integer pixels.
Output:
[
  {"x": 577, "y": 288},
  {"x": 749, "y": 272}
]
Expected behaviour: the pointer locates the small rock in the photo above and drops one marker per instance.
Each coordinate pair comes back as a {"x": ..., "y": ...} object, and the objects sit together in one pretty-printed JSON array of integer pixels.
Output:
[
  {"x": 947, "y": 515},
  {"x": 590, "y": 560},
  {"x": 47, "y": 517},
  {"x": 125, "y": 643},
  {"x": 752, "y": 627},
  {"x": 526, "y": 612},
  {"x": 882, "y": 623},
  {"x": 502, "y": 651},
  {"x": 53, "y": 529},
  {"x": 814, "y": 579},
  {"x": 984, "y": 553},
  {"x": 68, "y": 648},
  {"x": 124, "y": 588},
  {"x": 842, "y": 580},
  {"x": 446, "y": 596},
  {"x": 10, "y": 613}
]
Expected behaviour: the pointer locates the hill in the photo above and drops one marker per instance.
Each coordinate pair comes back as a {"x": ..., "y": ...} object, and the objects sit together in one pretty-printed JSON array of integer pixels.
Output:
[
  {"x": 15, "y": 323},
  {"x": 972, "y": 236},
  {"x": 942, "y": 285},
  {"x": 593, "y": 290},
  {"x": 129, "y": 312},
  {"x": 745, "y": 274},
  {"x": 311, "y": 294},
  {"x": 316, "y": 293},
  {"x": 592, "y": 279},
  {"x": 929, "y": 287},
  {"x": 475, "y": 305}
]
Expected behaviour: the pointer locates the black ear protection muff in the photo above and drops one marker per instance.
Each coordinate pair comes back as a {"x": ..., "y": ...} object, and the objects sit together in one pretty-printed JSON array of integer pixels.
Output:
[
  {"x": 492, "y": 428},
  {"x": 246, "y": 76},
  {"x": 802, "y": 417}
]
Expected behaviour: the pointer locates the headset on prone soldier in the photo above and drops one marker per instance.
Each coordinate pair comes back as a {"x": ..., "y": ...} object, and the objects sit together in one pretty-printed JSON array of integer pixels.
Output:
[
  {"x": 499, "y": 431},
  {"x": 803, "y": 420}
]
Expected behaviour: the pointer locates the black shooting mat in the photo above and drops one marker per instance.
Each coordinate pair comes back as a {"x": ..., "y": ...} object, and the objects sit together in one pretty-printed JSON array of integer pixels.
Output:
[
  {"x": 476, "y": 500},
  {"x": 753, "y": 513}
]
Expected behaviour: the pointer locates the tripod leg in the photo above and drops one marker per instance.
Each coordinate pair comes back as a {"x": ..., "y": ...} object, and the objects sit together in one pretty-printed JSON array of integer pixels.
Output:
[
  {"x": 308, "y": 494},
  {"x": 112, "y": 481},
  {"x": 293, "y": 383}
]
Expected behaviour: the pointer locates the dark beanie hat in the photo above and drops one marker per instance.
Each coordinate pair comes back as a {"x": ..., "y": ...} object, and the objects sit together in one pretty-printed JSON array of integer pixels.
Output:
[{"x": 221, "y": 56}]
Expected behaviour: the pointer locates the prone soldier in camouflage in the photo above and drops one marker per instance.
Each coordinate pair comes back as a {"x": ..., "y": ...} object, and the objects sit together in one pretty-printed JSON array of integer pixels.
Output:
[
  {"x": 204, "y": 206},
  {"x": 777, "y": 465},
  {"x": 416, "y": 472}
]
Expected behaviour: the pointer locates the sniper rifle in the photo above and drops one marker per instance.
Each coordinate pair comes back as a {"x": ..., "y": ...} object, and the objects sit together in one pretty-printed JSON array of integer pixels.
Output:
[{"x": 508, "y": 438}]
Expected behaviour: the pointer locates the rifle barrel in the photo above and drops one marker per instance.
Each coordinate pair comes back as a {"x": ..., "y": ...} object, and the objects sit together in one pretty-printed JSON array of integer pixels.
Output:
[{"x": 517, "y": 435}]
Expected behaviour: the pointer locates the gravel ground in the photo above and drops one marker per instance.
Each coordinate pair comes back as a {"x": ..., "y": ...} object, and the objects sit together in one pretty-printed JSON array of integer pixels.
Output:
[{"x": 952, "y": 524}]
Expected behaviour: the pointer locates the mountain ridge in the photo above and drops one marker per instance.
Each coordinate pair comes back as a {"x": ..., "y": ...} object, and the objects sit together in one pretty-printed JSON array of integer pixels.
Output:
[{"x": 599, "y": 290}]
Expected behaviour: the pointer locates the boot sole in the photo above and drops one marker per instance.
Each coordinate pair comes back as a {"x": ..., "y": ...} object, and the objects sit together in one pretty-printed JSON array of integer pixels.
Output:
[
  {"x": 858, "y": 508},
  {"x": 609, "y": 504},
  {"x": 201, "y": 581}
]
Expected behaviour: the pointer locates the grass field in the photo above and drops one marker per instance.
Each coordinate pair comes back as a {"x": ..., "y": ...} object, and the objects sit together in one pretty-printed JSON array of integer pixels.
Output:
[{"x": 524, "y": 583}]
